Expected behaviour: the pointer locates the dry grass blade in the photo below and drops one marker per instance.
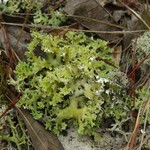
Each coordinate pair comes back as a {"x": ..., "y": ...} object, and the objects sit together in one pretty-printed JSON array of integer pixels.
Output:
[
  {"x": 137, "y": 124},
  {"x": 69, "y": 29},
  {"x": 143, "y": 130},
  {"x": 94, "y": 20}
]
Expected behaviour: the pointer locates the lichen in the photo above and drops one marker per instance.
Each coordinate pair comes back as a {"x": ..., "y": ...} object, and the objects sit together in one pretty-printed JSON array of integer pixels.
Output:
[
  {"x": 69, "y": 85},
  {"x": 142, "y": 46}
]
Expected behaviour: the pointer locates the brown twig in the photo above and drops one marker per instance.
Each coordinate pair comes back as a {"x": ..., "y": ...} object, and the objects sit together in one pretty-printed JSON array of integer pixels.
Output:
[
  {"x": 134, "y": 82},
  {"x": 77, "y": 30},
  {"x": 137, "y": 66},
  {"x": 11, "y": 105},
  {"x": 106, "y": 61}
]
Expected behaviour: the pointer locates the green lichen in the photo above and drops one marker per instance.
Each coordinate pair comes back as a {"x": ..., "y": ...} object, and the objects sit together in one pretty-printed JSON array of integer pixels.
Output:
[
  {"x": 55, "y": 18},
  {"x": 14, "y": 134},
  {"x": 41, "y": 15},
  {"x": 67, "y": 84}
]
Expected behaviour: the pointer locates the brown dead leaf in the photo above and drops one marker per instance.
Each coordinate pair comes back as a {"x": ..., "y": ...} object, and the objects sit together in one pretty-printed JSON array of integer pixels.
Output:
[
  {"x": 41, "y": 138},
  {"x": 10, "y": 41},
  {"x": 94, "y": 17}
]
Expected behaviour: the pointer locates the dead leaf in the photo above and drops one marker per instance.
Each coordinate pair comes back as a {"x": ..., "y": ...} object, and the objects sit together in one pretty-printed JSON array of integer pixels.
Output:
[
  {"x": 41, "y": 138},
  {"x": 94, "y": 17},
  {"x": 9, "y": 41}
]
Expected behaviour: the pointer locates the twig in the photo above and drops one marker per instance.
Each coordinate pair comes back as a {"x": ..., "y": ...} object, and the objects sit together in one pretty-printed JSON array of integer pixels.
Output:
[
  {"x": 106, "y": 61},
  {"x": 138, "y": 65},
  {"x": 11, "y": 105}
]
